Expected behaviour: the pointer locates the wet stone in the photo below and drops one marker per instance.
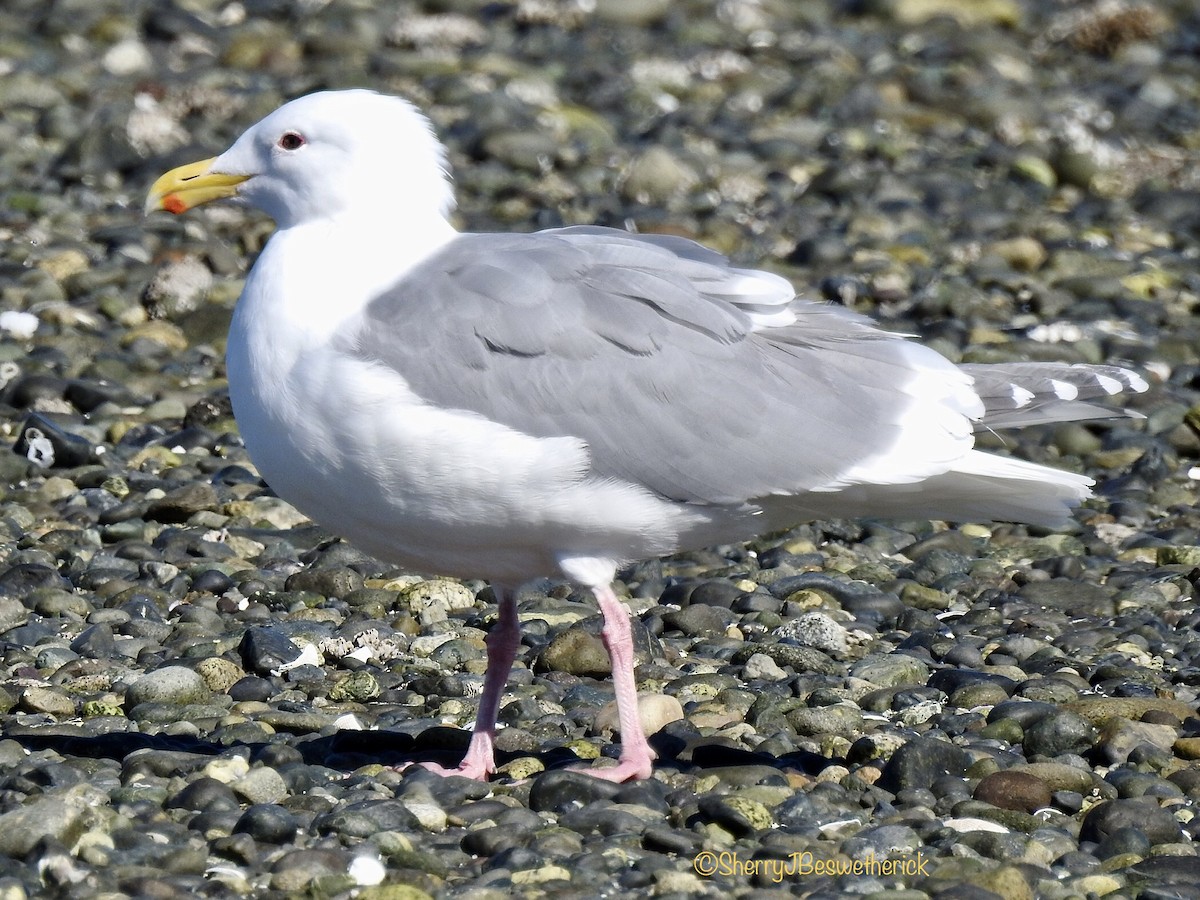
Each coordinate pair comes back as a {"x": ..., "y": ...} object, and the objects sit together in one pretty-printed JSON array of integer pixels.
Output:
[
  {"x": 293, "y": 872},
  {"x": 883, "y": 842},
  {"x": 845, "y": 721},
  {"x": 266, "y": 649},
  {"x": 559, "y": 791},
  {"x": 1124, "y": 840},
  {"x": 57, "y": 817},
  {"x": 24, "y": 578},
  {"x": 920, "y": 761},
  {"x": 697, "y": 619},
  {"x": 181, "y": 503},
  {"x": 890, "y": 671},
  {"x": 364, "y": 818},
  {"x": 96, "y": 642},
  {"x": 1144, "y": 816},
  {"x": 800, "y": 659},
  {"x": 205, "y": 794},
  {"x": 738, "y": 815},
  {"x": 1057, "y": 733}
]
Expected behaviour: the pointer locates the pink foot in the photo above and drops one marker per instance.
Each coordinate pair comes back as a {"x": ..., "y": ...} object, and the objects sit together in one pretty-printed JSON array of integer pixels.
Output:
[
  {"x": 624, "y": 770},
  {"x": 465, "y": 769},
  {"x": 477, "y": 764}
]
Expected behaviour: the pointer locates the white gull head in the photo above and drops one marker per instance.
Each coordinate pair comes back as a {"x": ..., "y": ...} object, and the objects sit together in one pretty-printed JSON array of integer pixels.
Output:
[{"x": 327, "y": 153}]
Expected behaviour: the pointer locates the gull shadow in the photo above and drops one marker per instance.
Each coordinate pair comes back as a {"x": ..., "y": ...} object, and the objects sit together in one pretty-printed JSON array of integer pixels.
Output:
[
  {"x": 347, "y": 751},
  {"x": 446, "y": 746}
]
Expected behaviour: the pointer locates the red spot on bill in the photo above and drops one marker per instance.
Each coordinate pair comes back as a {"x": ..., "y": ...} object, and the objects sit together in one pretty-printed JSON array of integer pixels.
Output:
[{"x": 173, "y": 203}]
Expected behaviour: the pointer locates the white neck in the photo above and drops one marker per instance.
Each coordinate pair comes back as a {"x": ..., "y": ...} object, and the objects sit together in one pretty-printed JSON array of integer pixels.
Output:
[
  {"x": 312, "y": 277},
  {"x": 309, "y": 281}
]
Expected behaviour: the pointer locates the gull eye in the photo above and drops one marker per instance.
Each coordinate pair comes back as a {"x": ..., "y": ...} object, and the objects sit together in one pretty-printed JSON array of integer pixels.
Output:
[{"x": 290, "y": 140}]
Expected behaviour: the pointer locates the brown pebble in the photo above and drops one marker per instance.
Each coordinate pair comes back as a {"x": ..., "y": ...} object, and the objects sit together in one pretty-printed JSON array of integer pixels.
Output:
[
  {"x": 1013, "y": 790},
  {"x": 1161, "y": 717},
  {"x": 1187, "y": 748}
]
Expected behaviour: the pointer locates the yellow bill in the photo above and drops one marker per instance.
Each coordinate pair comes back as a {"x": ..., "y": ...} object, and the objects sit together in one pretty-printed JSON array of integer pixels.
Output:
[{"x": 189, "y": 186}]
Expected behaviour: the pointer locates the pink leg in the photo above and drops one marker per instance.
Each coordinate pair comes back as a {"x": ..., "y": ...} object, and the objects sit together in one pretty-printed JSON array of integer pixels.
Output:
[
  {"x": 502, "y": 644},
  {"x": 636, "y": 755}
]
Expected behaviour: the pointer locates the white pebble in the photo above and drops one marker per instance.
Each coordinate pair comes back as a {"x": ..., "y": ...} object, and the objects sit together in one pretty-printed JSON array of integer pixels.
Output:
[
  {"x": 966, "y": 825},
  {"x": 367, "y": 870},
  {"x": 20, "y": 325},
  {"x": 761, "y": 666},
  {"x": 127, "y": 57}
]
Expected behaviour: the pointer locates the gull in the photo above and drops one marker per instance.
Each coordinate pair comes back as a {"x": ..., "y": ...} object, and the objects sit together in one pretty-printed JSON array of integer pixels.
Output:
[{"x": 568, "y": 401}]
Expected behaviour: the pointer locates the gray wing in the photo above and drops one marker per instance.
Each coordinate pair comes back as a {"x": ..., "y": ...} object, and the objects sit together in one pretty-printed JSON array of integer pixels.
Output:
[{"x": 648, "y": 348}]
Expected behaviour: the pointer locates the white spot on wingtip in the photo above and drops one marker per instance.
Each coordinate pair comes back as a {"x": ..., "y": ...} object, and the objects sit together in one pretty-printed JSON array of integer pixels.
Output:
[
  {"x": 1064, "y": 390},
  {"x": 1110, "y": 385},
  {"x": 1137, "y": 383},
  {"x": 1021, "y": 396}
]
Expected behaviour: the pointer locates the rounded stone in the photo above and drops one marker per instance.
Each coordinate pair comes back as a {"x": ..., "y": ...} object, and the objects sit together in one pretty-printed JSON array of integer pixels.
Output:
[
  {"x": 815, "y": 629},
  {"x": 49, "y": 700},
  {"x": 842, "y": 719},
  {"x": 1147, "y": 817},
  {"x": 919, "y": 762},
  {"x": 357, "y": 687},
  {"x": 655, "y": 711},
  {"x": 1013, "y": 790},
  {"x": 1123, "y": 841},
  {"x": 433, "y": 601},
  {"x": 561, "y": 790},
  {"x": 267, "y": 822},
  {"x": 170, "y": 684},
  {"x": 219, "y": 674},
  {"x": 577, "y": 652},
  {"x": 1058, "y": 733},
  {"x": 261, "y": 784},
  {"x": 738, "y": 815}
]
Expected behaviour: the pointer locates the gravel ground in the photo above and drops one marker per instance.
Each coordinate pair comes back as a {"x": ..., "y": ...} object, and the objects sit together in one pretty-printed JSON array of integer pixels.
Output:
[{"x": 201, "y": 693}]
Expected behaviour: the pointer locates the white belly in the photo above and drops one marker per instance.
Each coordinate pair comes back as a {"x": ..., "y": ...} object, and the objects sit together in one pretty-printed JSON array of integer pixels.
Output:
[{"x": 439, "y": 491}]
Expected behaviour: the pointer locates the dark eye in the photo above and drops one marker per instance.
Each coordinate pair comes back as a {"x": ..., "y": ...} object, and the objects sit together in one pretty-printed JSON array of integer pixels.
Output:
[{"x": 290, "y": 140}]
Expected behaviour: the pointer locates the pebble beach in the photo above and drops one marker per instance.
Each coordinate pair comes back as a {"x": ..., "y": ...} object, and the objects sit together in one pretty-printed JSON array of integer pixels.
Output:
[{"x": 202, "y": 693}]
